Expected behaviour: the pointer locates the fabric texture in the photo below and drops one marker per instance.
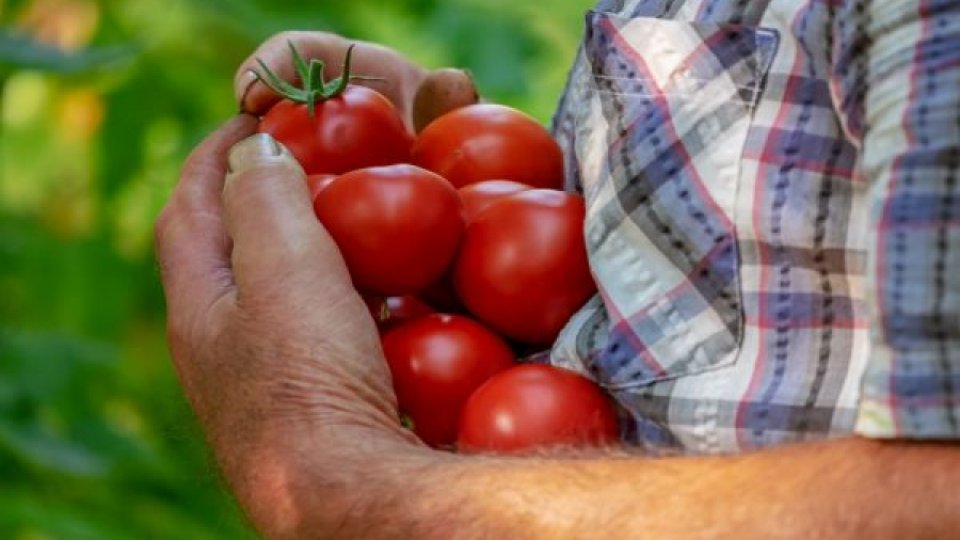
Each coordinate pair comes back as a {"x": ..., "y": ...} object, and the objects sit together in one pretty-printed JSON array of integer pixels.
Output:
[{"x": 773, "y": 218}]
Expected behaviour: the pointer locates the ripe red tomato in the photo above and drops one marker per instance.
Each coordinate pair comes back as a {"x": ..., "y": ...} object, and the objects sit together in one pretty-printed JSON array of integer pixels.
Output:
[
  {"x": 397, "y": 310},
  {"x": 478, "y": 196},
  {"x": 357, "y": 129},
  {"x": 437, "y": 361},
  {"x": 523, "y": 267},
  {"x": 490, "y": 142},
  {"x": 533, "y": 406},
  {"x": 398, "y": 227},
  {"x": 318, "y": 182}
]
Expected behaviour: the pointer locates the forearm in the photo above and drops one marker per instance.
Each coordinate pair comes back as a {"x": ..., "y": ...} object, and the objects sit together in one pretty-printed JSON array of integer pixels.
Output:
[{"x": 848, "y": 488}]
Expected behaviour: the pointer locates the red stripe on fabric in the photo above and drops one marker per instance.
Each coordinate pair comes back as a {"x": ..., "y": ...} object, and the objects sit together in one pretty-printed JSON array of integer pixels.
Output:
[{"x": 841, "y": 324}]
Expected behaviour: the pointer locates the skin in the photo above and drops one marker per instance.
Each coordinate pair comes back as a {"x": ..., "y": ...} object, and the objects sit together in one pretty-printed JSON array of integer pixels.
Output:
[{"x": 280, "y": 359}]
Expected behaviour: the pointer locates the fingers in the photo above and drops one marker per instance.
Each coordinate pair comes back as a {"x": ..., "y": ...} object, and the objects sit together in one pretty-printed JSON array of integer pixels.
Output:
[
  {"x": 442, "y": 91},
  {"x": 278, "y": 244},
  {"x": 191, "y": 242},
  {"x": 401, "y": 77}
]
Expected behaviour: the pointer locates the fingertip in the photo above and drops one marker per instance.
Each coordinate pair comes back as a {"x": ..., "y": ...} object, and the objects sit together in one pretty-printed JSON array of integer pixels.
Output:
[
  {"x": 253, "y": 96},
  {"x": 254, "y": 151},
  {"x": 442, "y": 91},
  {"x": 244, "y": 83},
  {"x": 263, "y": 179}
]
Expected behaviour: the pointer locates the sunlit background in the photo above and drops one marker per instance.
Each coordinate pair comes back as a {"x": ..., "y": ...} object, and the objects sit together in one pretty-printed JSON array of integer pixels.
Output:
[{"x": 99, "y": 104}]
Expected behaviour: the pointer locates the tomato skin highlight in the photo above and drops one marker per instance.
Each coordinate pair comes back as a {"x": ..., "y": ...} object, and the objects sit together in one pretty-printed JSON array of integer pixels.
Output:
[
  {"x": 437, "y": 361},
  {"x": 536, "y": 406},
  {"x": 490, "y": 142},
  {"x": 319, "y": 182},
  {"x": 398, "y": 227},
  {"x": 477, "y": 197},
  {"x": 357, "y": 129},
  {"x": 523, "y": 268}
]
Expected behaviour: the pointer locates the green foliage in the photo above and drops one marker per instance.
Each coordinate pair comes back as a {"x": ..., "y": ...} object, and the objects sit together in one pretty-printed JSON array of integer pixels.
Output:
[
  {"x": 18, "y": 51},
  {"x": 96, "y": 440}
]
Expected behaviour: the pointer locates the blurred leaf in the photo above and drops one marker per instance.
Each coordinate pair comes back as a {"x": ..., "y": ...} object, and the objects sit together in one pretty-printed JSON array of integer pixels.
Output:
[
  {"x": 18, "y": 51},
  {"x": 20, "y": 515},
  {"x": 43, "y": 363},
  {"x": 31, "y": 445}
]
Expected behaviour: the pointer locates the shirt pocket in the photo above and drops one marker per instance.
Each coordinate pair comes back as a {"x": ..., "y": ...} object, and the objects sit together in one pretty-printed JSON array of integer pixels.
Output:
[{"x": 666, "y": 107}]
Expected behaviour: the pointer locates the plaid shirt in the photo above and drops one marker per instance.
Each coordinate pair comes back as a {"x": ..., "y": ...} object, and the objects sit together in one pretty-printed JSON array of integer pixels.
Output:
[{"x": 773, "y": 218}]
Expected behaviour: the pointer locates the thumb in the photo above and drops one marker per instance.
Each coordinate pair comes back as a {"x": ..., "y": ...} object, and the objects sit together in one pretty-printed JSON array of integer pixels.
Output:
[
  {"x": 442, "y": 91},
  {"x": 269, "y": 217}
]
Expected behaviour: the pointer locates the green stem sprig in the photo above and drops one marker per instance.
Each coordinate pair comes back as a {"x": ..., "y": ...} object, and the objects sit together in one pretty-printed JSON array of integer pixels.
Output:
[{"x": 315, "y": 89}]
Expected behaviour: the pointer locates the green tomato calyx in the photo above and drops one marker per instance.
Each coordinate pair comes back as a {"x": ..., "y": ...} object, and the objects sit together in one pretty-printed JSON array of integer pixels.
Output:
[{"x": 315, "y": 88}]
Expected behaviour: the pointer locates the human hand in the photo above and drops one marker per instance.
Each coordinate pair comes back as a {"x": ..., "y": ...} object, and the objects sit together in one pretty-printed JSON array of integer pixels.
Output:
[{"x": 276, "y": 352}]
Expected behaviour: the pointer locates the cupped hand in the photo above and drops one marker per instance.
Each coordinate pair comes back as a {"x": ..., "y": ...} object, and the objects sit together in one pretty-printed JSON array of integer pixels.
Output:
[{"x": 276, "y": 352}]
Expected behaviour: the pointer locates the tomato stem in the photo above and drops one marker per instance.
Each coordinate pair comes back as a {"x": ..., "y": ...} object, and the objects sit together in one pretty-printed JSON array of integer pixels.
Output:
[{"x": 315, "y": 88}]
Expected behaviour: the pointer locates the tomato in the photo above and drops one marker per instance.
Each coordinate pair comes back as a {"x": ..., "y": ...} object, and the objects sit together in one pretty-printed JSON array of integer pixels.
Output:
[
  {"x": 442, "y": 296},
  {"x": 395, "y": 310},
  {"x": 318, "y": 182},
  {"x": 358, "y": 129},
  {"x": 350, "y": 127},
  {"x": 533, "y": 406},
  {"x": 490, "y": 142},
  {"x": 398, "y": 227},
  {"x": 437, "y": 361},
  {"x": 522, "y": 267},
  {"x": 476, "y": 197}
]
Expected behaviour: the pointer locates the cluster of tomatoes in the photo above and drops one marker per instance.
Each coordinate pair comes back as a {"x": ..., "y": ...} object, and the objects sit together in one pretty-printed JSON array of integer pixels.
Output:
[{"x": 467, "y": 251}]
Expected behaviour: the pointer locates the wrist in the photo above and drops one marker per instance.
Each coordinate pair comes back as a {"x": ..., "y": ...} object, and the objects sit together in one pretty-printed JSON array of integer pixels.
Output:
[{"x": 311, "y": 480}]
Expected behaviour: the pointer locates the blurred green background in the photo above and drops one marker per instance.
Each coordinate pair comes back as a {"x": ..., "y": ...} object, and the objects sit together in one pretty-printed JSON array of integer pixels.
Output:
[{"x": 99, "y": 104}]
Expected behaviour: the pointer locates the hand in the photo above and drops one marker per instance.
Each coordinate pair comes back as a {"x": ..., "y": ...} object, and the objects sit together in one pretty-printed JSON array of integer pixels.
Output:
[
  {"x": 418, "y": 94},
  {"x": 276, "y": 352}
]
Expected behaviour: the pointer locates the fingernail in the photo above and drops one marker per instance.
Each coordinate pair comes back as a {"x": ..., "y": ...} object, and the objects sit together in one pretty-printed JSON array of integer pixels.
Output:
[
  {"x": 246, "y": 83},
  {"x": 255, "y": 151}
]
